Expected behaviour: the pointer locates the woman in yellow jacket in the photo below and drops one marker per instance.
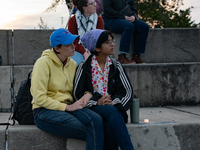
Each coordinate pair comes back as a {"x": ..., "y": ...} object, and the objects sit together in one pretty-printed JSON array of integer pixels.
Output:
[{"x": 51, "y": 87}]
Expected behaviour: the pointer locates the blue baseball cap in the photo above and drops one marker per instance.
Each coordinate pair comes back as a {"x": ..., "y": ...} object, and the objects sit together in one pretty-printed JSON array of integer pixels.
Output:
[{"x": 62, "y": 36}]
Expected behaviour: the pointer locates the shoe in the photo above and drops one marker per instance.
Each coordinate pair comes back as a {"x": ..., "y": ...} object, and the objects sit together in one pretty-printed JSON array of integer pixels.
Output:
[
  {"x": 137, "y": 59},
  {"x": 123, "y": 60}
]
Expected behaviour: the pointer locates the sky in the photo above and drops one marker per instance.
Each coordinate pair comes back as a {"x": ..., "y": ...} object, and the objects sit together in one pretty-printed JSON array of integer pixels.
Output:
[{"x": 25, "y": 14}]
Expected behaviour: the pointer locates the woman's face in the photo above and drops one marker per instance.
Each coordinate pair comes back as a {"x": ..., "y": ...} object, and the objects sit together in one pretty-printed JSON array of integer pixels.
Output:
[
  {"x": 107, "y": 48},
  {"x": 91, "y": 7},
  {"x": 65, "y": 51}
]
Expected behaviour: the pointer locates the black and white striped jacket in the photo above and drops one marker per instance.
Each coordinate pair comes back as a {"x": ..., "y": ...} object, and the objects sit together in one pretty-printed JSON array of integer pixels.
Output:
[{"x": 119, "y": 86}]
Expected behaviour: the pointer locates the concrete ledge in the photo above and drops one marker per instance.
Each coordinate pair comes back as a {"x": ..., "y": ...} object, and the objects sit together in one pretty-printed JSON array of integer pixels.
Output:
[
  {"x": 153, "y": 136},
  {"x": 173, "y": 45},
  {"x": 156, "y": 84},
  {"x": 20, "y": 73},
  {"x": 6, "y": 46},
  {"x": 29, "y": 45},
  {"x": 29, "y": 137},
  {"x": 23, "y": 47},
  {"x": 174, "y": 128},
  {"x": 2, "y": 137},
  {"x": 3, "y": 119},
  {"x": 5, "y": 88},
  {"x": 165, "y": 83}
]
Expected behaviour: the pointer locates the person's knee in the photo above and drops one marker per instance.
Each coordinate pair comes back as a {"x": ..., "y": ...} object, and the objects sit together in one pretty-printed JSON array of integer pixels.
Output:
[
  {"x": 96, "y": 119},
  {"x": 111, "y": 109},
  {"x": 129, "y": 27},
  {"x": 145, "y": 26}
]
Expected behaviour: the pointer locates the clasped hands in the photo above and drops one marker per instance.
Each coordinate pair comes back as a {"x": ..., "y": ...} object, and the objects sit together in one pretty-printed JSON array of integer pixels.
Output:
[
  {"x": 131, "y": 18},
  {"x": 105, "y": 100}
]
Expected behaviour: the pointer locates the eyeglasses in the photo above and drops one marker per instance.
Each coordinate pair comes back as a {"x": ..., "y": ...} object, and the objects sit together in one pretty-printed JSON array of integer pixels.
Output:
[
  {"x": 109, "y": 42},
  {"x": 93, "y": 3}
]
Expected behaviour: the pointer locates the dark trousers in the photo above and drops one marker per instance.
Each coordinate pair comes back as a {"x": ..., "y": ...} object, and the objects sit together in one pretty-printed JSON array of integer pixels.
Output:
[{"x": 127, "y": 30}]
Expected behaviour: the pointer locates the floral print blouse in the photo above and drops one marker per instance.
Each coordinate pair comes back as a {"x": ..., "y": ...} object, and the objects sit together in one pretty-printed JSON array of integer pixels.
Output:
[{"x": 99, "y": 78}]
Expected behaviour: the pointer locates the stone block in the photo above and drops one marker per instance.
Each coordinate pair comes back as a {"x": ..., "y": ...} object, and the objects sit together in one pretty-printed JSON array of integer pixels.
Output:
[
  {"x": 172, "y": 45},
  {"x": 153, "y": 137},
  {"x": 73, "y": 144},
  {"x": 29, "y": 45},
  {"x": 3, "y": 119},
  {"x": 168, "y": 46},
  {"x": 165, "y": 84},
  {"x": 6, "y": 47},
  {"x": 20, "y": 74},
  {"x": 2, "y": 137},
  {"x": 156, "y": 136},
  {"x": 5, "y": 88},
  {"x": 29, "y": 137},
  {"x": 188, "y": 135}
]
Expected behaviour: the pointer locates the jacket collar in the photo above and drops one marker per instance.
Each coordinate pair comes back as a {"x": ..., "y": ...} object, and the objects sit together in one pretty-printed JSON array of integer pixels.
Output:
[{"x": 88, "y": 68}]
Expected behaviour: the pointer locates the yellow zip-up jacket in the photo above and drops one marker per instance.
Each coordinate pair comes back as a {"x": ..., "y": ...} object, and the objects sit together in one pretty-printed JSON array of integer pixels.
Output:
[{"x": 52, "y": 82}]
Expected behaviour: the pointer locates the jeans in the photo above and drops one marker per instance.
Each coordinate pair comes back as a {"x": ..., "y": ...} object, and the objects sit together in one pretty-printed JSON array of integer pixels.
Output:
[
  {"x": 127, "y": 30},
  {"x": 115, "y": 130},
  {"x": 77, "y": 57},
  {"x": 82, "y": 124}
]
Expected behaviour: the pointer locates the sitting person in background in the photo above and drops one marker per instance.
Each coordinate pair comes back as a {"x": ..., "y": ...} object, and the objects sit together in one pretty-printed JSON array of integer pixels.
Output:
[
  {"x": 54, "y": 108},
  {"x": 84, "y": 20},
  {"x": 107, "y": 80},
  {"x": 120, "y": 16}
]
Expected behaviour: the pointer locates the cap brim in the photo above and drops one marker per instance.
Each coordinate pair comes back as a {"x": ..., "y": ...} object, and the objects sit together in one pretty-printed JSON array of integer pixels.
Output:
[{"x": 70, "y": 40}]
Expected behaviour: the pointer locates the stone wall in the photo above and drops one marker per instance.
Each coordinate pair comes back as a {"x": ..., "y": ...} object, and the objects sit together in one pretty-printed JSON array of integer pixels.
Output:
[{"x": 23, "y": 47}]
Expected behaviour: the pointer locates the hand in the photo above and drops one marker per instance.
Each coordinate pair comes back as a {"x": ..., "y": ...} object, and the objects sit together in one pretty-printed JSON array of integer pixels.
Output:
[
  {"x": 86, "y": 54},
  {"x": 105, "y": 100},
  {"x": 86, "y": 99},
  {"x": 75, "y": 106},
  {"x": 131, "y": 18}
]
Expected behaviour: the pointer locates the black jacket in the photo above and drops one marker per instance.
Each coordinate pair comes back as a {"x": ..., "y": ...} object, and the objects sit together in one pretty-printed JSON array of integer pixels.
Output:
[
  {"x": 119, "y": 86},
  {"x": 111, "y": 8}
]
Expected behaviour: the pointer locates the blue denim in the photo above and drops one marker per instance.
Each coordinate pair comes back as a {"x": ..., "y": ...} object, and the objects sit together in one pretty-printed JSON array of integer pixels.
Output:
[
  {"x": 83, "y": 124},
  {"x": 115, "y": 130},
  {"x": 127, "y": 30},
  {"x": 77, "y": 57}
]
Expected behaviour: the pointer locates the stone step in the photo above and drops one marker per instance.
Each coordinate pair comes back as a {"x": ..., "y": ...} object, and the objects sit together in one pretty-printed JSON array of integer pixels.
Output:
[
  {"x": 171, "y": 127},
  {"x": 156, "y": 84},
  {"x": 24, "y": 47}
]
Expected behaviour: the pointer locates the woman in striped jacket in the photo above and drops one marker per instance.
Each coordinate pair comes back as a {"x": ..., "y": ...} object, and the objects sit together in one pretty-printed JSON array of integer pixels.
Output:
[{"x": 106, "y": 80}]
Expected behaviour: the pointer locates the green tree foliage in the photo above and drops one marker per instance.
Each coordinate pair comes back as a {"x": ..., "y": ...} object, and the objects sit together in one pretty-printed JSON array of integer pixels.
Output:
[{"x": 164, "y": 13}]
